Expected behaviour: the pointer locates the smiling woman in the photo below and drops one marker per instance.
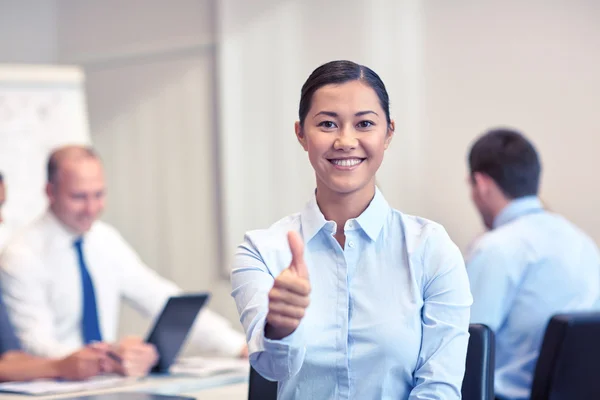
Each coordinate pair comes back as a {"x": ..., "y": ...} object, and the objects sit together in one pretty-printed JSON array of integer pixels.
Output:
[
  {"x": 326, "y": 295},
  {"x": 345, "y": 131}
]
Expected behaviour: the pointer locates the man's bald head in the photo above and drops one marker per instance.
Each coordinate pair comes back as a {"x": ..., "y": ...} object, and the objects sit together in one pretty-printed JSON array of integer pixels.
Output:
[
  {"x": 76, "y": 187},
  {"x": 68, "y": 155}
]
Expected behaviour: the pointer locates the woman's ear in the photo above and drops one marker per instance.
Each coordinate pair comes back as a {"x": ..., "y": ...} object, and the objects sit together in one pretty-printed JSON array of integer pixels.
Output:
[
  {"x": 389, "y": 135},
  {"x": 300, "y": 135}
]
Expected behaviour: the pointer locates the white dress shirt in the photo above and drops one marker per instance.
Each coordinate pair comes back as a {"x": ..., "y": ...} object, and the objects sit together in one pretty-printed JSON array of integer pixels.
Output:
[{"x": 40, "y": 278}]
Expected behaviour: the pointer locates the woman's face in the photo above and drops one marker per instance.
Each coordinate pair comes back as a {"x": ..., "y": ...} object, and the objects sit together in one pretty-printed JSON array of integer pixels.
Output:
[{"x": 345, "y": 134}]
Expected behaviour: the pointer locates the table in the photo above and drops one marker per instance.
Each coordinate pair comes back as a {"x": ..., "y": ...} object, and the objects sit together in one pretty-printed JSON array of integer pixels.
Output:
[
  {"x": 227, "y": 386},
  {"x": 229, "y": 392}
]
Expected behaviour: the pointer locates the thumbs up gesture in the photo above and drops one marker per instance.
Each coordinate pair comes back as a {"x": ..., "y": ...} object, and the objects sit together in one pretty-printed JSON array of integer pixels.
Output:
[{"x": 288, "y": 297}]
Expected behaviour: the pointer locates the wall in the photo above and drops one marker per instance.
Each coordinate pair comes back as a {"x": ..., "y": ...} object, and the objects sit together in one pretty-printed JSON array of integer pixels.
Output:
[
  {"x": 532, "y": 65},
  {"x": 453, "y": 70},
  {"x": 267, "y": 50},
  {"x": 27, "y": 31},
  {"x": 150, "y": 87}
]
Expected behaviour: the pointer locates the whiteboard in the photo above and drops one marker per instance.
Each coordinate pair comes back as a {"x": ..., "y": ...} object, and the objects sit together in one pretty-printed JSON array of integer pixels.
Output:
[{"x": 41, "y": 108}]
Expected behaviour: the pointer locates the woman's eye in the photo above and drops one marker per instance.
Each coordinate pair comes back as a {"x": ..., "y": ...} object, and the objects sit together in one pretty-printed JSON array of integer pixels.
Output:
[
  {"x": 327, "y": 124},
  {"x": 365, "y": 124}
]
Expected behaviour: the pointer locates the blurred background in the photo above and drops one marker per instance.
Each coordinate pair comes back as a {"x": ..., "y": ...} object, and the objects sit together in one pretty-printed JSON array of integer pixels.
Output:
[{"x": 191, "y": 104}]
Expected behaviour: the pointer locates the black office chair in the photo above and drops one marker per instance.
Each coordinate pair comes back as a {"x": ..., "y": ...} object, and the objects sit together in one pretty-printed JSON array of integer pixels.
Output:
[
  {"x": 259, "y": 388},
  {"x": 478, "y": 383},
  {"x": 568, "y": 367}
]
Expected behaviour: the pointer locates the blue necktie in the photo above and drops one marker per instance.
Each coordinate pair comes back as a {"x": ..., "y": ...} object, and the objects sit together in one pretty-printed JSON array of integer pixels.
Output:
[{"x": 90, "y": 327}]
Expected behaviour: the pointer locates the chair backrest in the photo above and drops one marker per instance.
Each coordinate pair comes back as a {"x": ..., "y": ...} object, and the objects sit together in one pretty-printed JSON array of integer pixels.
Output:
[
  {"x": 259, "y": 388},
  {"x": 568, "y": 364},
  {"x": 478, "y": 383}
]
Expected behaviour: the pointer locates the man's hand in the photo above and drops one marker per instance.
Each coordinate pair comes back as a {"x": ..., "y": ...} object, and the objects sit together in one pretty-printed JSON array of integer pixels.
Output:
[
  {"x": 82, "y": 364},
  {"x": 288, "y": 299},
  {"x": 244, "y": 352},
  {"x": 132, "y": 357}
]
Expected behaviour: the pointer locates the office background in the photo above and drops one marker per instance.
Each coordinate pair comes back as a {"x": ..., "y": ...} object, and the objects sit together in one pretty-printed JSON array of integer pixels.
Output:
[{"x": 192, "y": 103}]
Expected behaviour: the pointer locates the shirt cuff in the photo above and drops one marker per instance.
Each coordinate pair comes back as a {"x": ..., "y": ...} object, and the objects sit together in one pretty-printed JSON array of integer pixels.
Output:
[
  {"x": 294, "y": 339},
  {"x": 277, "y": 359}
]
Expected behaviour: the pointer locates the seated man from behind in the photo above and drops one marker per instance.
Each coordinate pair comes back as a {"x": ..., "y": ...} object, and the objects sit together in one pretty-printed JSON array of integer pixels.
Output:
[
  {"x": 64, "y": 276},
  {"x": 530, "y": 265}
]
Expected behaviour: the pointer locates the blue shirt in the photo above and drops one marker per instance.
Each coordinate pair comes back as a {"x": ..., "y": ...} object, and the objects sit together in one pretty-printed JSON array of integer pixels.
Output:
[
  {"x": 8, "y": 338},
  {"x": 532, "y": 265},
  {"x": 389, "y": 313}
]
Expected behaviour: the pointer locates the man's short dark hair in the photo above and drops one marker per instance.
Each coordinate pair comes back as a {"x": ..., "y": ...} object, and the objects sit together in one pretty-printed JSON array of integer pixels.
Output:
[{"x": 508, "y": 158}]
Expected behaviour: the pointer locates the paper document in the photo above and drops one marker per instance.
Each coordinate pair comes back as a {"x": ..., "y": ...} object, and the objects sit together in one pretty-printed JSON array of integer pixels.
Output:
[
  {"x": 208, "y": 366},
  {"x": 131, "y": 396},
  {"x": 47, "y": 386}
]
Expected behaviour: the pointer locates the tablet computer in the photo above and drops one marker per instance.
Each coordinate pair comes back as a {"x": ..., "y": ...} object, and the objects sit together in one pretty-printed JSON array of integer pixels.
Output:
[{"x": 173, "y": 326}]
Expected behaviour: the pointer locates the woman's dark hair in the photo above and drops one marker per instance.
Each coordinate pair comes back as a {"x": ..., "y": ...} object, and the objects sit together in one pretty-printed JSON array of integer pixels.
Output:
[{"x": 338, "y": 72}]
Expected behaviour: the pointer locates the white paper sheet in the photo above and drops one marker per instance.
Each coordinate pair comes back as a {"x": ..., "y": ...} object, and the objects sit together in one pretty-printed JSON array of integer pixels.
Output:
[
  {"x": 46, "y": 386},
  {"x": 209, "y": 366}
]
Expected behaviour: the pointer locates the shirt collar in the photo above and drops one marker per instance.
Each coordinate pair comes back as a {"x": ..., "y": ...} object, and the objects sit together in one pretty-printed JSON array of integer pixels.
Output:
[
  {"x": 371, "y": 221},
  {"x": 61, "y": 235},
  {"x": 517, "y": 208}
]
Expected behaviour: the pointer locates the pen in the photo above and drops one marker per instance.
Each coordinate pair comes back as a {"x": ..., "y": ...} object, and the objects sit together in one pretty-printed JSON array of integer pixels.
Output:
[{"x": 114, "y": 356}]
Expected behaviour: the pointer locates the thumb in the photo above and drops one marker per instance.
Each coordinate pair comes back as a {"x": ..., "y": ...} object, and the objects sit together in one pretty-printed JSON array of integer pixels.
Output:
[{"x": 297, "y": 248}]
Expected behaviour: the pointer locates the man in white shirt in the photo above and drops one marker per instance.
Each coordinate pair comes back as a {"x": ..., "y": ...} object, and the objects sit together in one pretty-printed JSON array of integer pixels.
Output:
[
  {"x": 64, "y": 277},
  {"x": 86, "y": 362}
]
